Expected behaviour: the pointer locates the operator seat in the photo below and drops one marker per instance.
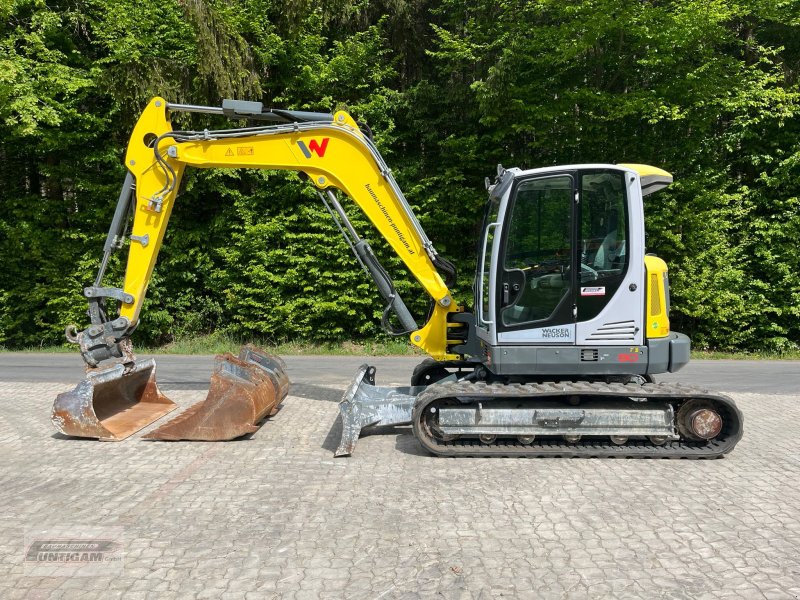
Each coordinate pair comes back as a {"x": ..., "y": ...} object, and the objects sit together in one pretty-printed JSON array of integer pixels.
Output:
[{"x": 611, "y": 249}]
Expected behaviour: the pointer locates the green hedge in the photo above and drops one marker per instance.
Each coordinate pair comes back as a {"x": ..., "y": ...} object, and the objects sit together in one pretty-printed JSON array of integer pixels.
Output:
[{"x": 708, "y": 91}]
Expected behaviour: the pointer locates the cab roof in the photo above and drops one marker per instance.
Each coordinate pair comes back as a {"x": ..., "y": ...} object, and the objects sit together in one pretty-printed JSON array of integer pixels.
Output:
[{"x": 652, "y": 178}]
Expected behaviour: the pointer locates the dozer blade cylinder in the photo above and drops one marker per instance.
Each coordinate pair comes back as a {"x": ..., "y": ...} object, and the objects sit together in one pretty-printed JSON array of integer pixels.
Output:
[
  {"x": 113, "y": 403},
  {"x": 243, "y": 392}
]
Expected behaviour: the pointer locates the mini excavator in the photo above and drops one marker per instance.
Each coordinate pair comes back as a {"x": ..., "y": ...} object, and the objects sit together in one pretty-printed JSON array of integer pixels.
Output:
[{"x": 556, "y": 357}]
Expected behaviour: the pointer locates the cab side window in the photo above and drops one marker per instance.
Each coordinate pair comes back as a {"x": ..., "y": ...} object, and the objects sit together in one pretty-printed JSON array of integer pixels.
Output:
[{"x": 604, "y": 240}]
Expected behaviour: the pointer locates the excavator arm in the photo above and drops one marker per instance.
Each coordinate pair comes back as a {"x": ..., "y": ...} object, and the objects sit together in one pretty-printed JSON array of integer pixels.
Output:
[{"x": 331, "y": 151}]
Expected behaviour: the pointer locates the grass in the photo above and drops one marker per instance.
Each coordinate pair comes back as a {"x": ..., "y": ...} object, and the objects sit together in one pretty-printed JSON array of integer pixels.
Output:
[
  {"x": 217, "y": 343},
  {"x": 745, "y": 355}
]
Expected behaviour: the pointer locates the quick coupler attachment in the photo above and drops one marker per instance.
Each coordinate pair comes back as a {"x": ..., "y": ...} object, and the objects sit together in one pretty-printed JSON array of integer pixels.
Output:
[
  {"x": 366, "y": 405},
  {"x": 244, "y": 391},
  {"x": 112, "y": 404}
]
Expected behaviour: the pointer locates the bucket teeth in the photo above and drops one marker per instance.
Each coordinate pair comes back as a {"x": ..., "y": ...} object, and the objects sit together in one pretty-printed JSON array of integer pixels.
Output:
[
  {"x": 243, "y": 392},
  {"x": 113, "y": 403}
]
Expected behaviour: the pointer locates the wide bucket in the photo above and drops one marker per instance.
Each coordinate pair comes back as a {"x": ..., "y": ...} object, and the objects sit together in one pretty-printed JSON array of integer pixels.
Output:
[
  {"x": 113, "y": 403},
  {"x": 244, "y": 391}
]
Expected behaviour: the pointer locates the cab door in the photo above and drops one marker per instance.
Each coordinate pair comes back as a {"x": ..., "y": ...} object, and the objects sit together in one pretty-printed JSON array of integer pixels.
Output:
[
  {"x": 611, "y": 244},
  {"x": 537, "y": 262}
]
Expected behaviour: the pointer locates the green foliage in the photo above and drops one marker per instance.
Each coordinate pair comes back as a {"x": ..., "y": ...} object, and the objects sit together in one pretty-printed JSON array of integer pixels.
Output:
[{"x": 708, "y": 90}]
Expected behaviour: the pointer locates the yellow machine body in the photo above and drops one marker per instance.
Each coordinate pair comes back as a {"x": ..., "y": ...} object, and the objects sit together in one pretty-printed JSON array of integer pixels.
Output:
[{"x": 657, "y": 312}]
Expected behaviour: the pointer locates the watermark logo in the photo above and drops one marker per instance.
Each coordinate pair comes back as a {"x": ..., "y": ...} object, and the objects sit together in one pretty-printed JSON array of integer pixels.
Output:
[
  {"x": 314, "y": 147},
  {"x": 74, "y": 551}
]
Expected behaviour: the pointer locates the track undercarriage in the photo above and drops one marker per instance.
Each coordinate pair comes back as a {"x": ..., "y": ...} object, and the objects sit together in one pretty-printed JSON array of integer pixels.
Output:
[
  {"x": 558, "y": 418},
  {"x": 575, "y": 419}
]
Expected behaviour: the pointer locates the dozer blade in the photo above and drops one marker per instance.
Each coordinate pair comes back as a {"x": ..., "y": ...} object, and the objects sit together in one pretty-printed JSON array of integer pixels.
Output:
[
  {"x": 243, "y": 392},
  {"x": 366, "y": 405},
  {"x": 113, "y": 403}
]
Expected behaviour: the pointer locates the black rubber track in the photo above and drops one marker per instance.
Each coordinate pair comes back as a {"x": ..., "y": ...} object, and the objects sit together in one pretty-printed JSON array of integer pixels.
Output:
[{"x": 591, "y": 448}]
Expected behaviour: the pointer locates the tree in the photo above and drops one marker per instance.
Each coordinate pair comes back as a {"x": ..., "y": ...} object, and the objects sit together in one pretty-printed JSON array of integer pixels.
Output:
[{"x": 708, "y": 91}]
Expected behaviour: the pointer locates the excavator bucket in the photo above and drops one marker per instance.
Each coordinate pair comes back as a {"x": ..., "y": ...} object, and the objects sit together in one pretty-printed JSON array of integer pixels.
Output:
[
  {"x": 243, "y": 392},
  {"x": 113, "y": 403}
]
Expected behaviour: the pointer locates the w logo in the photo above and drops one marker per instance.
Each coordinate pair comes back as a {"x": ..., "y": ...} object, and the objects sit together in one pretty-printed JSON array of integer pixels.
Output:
[{"x": 314, "y": 147}]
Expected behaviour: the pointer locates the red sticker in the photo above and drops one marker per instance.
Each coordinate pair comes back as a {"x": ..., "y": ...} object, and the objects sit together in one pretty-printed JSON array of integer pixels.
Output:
[{"x": 628, "y": 357}]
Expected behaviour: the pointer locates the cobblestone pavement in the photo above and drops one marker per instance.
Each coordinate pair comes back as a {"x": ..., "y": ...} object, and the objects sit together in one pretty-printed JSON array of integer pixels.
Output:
[{"x": 277, "y": 516}]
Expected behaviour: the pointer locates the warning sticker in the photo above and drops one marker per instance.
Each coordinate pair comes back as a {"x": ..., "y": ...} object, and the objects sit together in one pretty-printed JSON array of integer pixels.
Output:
[
  {"x": 229, "y": 152},
  {"x": 246, "y": 151},
  {"x": 593, "y": 291}
]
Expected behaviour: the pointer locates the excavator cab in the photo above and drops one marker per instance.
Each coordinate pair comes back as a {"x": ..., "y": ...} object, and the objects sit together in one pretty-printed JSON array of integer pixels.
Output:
[{"x": 563, "y": 275}]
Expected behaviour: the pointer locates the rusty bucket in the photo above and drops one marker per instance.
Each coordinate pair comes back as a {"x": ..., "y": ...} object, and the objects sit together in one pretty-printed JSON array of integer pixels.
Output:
[
  {"x": 244, "y": 391},
  {"x": 111, "y": 404}
]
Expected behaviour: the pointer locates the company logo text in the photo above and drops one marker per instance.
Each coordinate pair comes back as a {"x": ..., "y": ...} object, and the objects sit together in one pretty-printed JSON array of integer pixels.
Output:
[{"x": 550, "y": 332}]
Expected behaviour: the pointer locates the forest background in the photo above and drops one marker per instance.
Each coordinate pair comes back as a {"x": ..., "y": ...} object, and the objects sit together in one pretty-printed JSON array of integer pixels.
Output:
[{"x": 706, "y": 89}]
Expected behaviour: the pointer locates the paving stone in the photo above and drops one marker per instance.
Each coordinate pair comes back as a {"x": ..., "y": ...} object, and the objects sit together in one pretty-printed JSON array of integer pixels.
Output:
[{"x": 274, "y": 516}]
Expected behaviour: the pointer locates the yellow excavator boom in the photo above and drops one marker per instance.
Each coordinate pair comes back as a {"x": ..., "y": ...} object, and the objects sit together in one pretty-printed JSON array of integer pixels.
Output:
[{"x": 335, "y": 155}]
